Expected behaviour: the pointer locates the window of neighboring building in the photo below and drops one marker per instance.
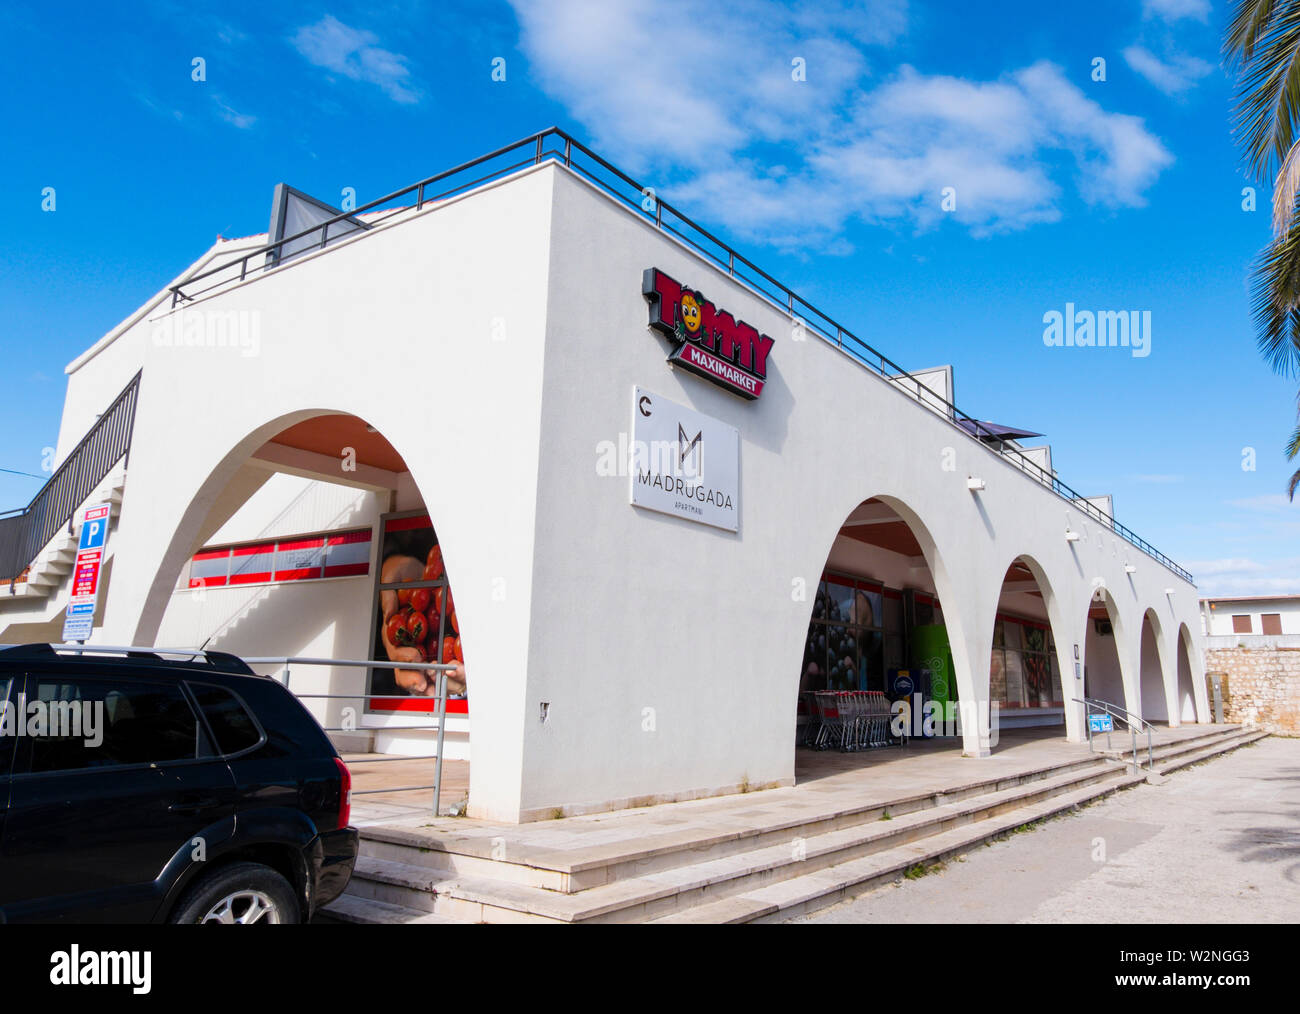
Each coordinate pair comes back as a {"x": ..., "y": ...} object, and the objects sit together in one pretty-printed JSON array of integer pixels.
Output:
[
  {"x": 1272, "y": 623},
  {"x": 1241, "y": 624}
]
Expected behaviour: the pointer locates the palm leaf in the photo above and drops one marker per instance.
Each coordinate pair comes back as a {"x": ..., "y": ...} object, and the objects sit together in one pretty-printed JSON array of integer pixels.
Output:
[
  {"x": 1263, "y": 45},
  {"x": 1285, "y": 190},
  {"x": 1275, "y": 302}
]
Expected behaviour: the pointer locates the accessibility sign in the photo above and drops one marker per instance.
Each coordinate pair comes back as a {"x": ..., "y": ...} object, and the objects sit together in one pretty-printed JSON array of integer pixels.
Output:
[
  {"x": 1100, "y": 723},
  {"x": 79, "y": 619}
]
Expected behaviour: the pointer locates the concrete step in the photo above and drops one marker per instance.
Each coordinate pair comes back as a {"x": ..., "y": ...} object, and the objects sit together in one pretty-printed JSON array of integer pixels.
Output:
[
  {"x": 1227, "y": 745},
  {"x": 347, "y": 909},
  {"x": 818, "y": 889},
  {"x": 696, "y": 881},
  {"x": 607, "y": 863},
  {"x": 1211, "y": 735}
]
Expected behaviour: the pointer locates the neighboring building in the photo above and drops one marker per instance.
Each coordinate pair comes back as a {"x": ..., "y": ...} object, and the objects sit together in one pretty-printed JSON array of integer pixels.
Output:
[
  {"x": 651, "y": 559},
  {"x": 1252, "y": 647},
  {"x": 1252, "y": 620}
]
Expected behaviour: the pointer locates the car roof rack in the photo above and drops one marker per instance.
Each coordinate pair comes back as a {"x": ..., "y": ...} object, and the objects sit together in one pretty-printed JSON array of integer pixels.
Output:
[{"x": 222, "y": 661}]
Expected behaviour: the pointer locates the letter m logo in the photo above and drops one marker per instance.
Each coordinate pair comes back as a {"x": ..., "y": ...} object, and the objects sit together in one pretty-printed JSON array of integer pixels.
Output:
[{"x": 686, "y": 446}]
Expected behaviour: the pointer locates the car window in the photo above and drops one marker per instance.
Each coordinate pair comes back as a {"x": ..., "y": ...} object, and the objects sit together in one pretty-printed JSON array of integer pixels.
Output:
[
  {"x": 7, "y": 728},
  {"x": 231, "y": 724},
  {"x": 92, "y": 723}
]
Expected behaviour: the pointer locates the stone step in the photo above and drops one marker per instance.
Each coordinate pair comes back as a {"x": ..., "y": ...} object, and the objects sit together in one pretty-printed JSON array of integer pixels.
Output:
[
  {"x": 1123, "y": 743},
  {"x": 703, "y": 881},
  {"x": 609, "y": 862},
  {"x": 818, "y": 889},
  {"x": 349, "y": 909},
  {"x": 1188, "y": 758}
]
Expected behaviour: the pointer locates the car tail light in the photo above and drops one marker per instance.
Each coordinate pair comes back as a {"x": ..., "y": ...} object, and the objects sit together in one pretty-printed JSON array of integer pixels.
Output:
[{"x": 345, "y": 792}]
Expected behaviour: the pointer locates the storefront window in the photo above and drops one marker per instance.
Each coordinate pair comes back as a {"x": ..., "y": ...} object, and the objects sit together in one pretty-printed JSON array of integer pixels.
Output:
[
  {"x": 845, "y": 645},
  {"x": 415, "y": 618},
  {"x": 1023, "y": 671}
]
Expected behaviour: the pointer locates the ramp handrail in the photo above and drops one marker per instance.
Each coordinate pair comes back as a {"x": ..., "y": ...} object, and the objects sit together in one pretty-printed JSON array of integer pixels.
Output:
[
  {"x": 441, "y": 668},
  {"x": 1128, "y": 718},
  {"x": 24, "y": 532}
]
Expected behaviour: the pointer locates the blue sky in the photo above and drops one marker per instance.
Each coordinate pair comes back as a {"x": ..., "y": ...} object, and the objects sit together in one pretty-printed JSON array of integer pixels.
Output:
[{"x": 1115, "y": 194}]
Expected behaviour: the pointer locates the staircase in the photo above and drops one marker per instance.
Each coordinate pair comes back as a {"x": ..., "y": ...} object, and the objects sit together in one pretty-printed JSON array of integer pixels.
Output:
[
  {"x": 771, "y": 863},
  {"x": 36, "y": 542},
  {"x": 54, "y": 562},
  {"x": 1199, "y": 744},
  {"x": 761, "y": 862}
]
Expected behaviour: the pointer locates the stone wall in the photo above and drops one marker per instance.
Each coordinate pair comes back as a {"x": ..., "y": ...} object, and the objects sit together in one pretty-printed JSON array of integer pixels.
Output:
[{"x": 1263, "y": 686}]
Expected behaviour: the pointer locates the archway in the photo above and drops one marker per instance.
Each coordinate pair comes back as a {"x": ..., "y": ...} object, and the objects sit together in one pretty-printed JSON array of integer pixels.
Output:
[
  {"x": 878, "y": 624},
  {"x": 1103, "y": 677},
  {"x": 311, "y": 538},
  {"x": 1151, "y": 679},
  {"x": 1185, "y": 696},
  {"x": 1028, "y": 656}
]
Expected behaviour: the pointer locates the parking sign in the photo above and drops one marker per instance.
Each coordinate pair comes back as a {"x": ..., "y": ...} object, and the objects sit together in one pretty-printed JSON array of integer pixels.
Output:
[{"x": 79, "y": 619}]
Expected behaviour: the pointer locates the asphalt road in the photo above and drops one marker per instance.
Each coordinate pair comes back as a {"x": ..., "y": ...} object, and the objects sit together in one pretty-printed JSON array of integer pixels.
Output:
[{"x": 1218, "y": 842}]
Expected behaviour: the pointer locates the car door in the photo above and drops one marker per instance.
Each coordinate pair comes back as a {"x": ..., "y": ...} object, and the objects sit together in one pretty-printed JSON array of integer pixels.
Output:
[
  {"x": 98, "y": 810},
  {"x": 7, "y": 741}
]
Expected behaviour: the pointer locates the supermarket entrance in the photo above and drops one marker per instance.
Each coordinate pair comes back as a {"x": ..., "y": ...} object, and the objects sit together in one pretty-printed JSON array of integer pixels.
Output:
[{"x": 876, "y": 668}]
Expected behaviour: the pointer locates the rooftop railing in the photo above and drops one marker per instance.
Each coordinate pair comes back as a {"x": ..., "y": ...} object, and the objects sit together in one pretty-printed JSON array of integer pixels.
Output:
[{"x": 554, "y": 145}]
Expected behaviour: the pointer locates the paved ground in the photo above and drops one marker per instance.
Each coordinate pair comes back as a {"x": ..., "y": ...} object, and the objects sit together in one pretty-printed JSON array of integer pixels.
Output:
[{"x": 1218, "y": 842}]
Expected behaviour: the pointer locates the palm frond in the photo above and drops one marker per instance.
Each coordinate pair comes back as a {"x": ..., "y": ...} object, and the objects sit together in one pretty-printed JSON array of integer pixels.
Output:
[
  {"x": 1286, "y": 188},
  {"x": 1295, "y": 481},
  {"x": 1244, "y": 30},
  {"x": 1275, "y": 302},
  {"x": 1266, "y": 52}
]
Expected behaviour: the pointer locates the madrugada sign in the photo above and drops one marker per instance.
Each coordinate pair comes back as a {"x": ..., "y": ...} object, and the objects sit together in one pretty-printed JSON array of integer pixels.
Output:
[{"x": 710, "y": 342}]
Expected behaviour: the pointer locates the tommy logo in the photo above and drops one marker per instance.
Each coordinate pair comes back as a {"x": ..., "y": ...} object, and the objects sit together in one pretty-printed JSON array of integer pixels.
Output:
[{"x": 710, "y": 342}]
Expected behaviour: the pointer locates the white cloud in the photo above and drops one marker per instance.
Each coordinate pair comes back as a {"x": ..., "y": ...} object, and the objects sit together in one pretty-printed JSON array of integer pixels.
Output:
[
  {"x": 1175, "y": 10},
  {"x": 1242, "y": 576},
  {"x": 232, "y": 116},
  {"x": 1172, "y": 76},
  {"x": 700, "y": 102},
  {"x": 352, "y": 52}
]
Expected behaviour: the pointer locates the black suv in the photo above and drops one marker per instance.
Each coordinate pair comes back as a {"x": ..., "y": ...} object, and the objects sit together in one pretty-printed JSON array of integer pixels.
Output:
[{"x": 136, "y": 788}]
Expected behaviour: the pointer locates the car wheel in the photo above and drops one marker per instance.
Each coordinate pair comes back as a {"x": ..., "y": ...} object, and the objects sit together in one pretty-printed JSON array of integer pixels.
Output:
[{"x": 241, "y": 894}]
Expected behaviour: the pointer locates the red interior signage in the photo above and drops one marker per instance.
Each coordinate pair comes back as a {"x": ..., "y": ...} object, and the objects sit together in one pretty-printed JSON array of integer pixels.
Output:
[{"x": 710, "y": 342}]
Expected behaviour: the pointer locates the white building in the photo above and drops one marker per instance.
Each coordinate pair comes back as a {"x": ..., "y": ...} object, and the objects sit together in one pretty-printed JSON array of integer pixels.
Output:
[
  {"x": 484, "y": 357},
  {"x": 1251, "y": 620}
]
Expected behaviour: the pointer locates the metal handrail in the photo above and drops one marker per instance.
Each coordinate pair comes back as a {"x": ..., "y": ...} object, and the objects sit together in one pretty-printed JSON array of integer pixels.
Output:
[
  {"x": 25, "y": 532},
  {"x": 441, "y": 668},
  {"x": 1127, "y": 718},
  {"x": 737, "y": 266},
  {"x": 286, "y": 660}
]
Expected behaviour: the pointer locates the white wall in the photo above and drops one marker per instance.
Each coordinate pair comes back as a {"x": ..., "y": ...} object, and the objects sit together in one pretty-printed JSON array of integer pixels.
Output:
[
  {"x": 692, "y": 631},
  {"x": 1220, "y": 617},
  {"x": 668, "y": 652}
]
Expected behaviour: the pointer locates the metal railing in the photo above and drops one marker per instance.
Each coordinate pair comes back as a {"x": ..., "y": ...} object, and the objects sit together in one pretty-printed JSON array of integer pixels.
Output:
[
  {"x": 554, "y": 145},
  {"x": 213, "y": 656},
  {"x": 440, "y": 713},
  {"x": 1128, "y": 719},
  {"x": 24, "y": 532}
]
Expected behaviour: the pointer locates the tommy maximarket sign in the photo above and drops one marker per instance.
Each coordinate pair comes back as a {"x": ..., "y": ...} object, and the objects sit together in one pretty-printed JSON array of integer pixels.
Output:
[{"x": 711, "y": 343}]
